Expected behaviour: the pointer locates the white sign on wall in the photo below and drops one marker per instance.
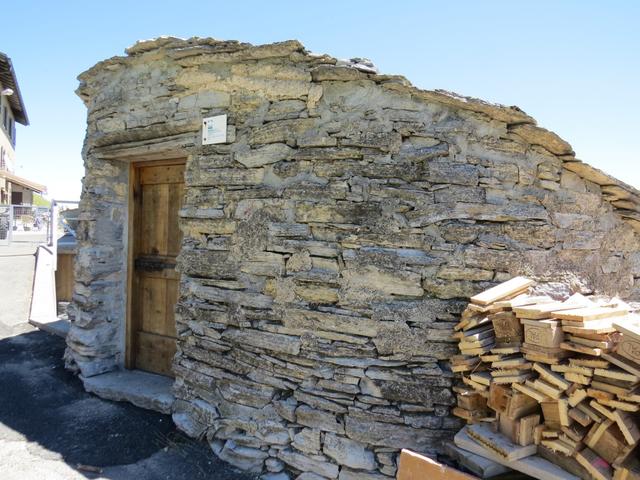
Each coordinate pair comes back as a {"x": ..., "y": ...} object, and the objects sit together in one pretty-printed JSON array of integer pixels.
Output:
[{"x": 214, "y": 130}]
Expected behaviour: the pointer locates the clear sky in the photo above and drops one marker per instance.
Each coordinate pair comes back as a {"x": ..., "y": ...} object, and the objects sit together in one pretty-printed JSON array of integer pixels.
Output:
[{"x": 573, "y": 65}]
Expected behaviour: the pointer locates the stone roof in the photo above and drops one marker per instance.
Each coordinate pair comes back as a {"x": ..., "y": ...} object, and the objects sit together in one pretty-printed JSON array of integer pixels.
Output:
[
  {"x": 8, "y": 80},
  {"x": 623, "y": 197}
]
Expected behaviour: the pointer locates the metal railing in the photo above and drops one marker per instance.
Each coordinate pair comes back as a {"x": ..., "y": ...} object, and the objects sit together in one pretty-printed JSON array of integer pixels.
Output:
[
  {"x": 28, "y": 223},
  {"x": 23, "y": 223},
  {"x": 64, "y": 219}
]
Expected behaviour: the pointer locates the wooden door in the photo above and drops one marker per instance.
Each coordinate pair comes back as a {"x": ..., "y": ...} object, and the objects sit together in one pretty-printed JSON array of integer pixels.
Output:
[{"x": 157, "y": 198}]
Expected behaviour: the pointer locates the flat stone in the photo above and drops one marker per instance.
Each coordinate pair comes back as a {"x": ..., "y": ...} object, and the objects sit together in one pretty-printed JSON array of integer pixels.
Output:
[
  {"x": 348, "y": 452},
  {"x": 393, "y": 435},
  {"x": 271, "y": 153},
  {"x": 313, "y": 418},
  {"x": 245, "y": 458},
  {"x": 144, "y": 390},
  {"x": 308, "y": 464},
  {"x": 307, "y": 440}
]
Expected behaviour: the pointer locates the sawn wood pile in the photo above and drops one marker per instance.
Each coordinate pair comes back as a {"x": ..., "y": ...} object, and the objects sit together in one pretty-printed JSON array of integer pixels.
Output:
[{"x": 554, "y": 379}]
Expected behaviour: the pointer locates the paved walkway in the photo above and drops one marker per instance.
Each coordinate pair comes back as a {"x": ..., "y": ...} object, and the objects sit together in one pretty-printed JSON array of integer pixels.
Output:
[{"x": 51, "y": 429}]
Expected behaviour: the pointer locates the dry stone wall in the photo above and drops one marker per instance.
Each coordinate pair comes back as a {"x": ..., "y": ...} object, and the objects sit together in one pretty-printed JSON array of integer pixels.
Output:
[{"x": 329, "y": 245}]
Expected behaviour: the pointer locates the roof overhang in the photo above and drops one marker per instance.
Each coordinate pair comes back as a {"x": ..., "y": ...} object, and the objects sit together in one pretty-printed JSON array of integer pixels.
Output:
[
  {"x": 8, "y": 80},
  {"x": 23, "y": 182}
]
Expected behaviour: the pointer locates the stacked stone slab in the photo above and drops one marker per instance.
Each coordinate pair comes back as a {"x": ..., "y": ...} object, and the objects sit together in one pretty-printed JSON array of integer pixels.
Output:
[{"x": 328, "y": 245}]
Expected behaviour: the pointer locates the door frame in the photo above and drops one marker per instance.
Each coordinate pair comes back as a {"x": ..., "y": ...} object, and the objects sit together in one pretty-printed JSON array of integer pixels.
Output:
[{"x": 132, "y": 212}]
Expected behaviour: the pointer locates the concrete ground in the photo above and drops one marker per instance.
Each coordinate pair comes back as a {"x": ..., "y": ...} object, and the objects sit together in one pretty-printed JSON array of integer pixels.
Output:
[{"x": 51, "y": 429}]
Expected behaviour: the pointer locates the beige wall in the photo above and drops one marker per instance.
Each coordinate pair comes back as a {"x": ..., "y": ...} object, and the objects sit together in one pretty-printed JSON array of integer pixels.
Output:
[{"x": 5, "y": 142}]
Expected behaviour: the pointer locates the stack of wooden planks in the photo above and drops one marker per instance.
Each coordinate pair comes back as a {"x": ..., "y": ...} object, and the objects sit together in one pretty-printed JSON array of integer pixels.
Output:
[{"x": 557, "y": 379}]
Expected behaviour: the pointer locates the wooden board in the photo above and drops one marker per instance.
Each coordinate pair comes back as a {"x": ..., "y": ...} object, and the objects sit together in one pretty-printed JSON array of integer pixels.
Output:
[
  {"x": 65, "y": 277},
  {"x": 524, "y": 299},
  {"x": 574, "y": 347},
  {"x": 629, "y": 326},
  {"x": 533, "y": 466},
  {"x": 623, "y": 363},
  {"x": 603, "y": 326},
  {"x": 480, "y": 466},
  {"x": 531, "y": 392},
  {"x": 412, "y": 466},
  {"x": 502, "y": 291},
  {"x": 539, "y": 312},
  {"x": 551, "y": 377},
  {"x": 498, "y": 443},
  {"x": 628, "y": 426},
  {"x": 590, "y": 313},
  {"x": 594, "y": 464}
]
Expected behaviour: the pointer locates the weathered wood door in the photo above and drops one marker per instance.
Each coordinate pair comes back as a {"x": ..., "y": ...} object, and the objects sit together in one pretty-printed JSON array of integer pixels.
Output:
[{"x": 157, "y": 198}]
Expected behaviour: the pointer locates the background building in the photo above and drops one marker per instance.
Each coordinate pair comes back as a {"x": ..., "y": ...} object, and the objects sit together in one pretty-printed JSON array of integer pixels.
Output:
[{"x": 14, "y": 190}]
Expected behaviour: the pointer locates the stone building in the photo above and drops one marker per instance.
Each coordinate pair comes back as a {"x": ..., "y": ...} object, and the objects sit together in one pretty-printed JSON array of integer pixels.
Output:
[{"x": 322, "y": 250}]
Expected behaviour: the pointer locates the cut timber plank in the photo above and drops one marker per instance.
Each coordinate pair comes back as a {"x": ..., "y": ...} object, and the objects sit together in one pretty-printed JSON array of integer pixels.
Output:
[
  {"x": 627, "y": 426},
  {"x": 590, "y": 412},
  {"x": 558, "y": 446},
  {"x": 580, "y": 417},
  {"x": 563, "y": 368},
  {"x": 575, "y": 431},
  {"x": 499, "y": 444},
  {"x": 575, "y": 347},
  {"x": 617, "y": 374},
  {"x": 513, "y": 378},
  {"x": 499, "y": 397},
  {"x": 469, "y": 415},
  {"x": 520, "y": 405},
  {"x": 629, "y": 326},
  {"x": 525, "y": 429},
  {"x": 551, "y": 413},
  {"x": 577, "y": 396},
  {"x": 594, "y": 464},
  {"x": 524, "y": 299},
  {"x": 483, "y": 378},
  {"x": 623, "y": 363},
  {"x": 569, "y": 464},
  {"x": 601, "y": 409},
  {"x": 590, "y": 313},
  {"x": 563, "y": 412},
  {"x": 533, "y": 466},
  {"x": 502, "y": 291},
  {"x": 546, "y": 388},
  {"x": 608, "y": 387},
  {"x": 475, "y": 385},
  {"x": 539, "y": 312},
  {"x": 550, "y": 377},
  {"x": 589, "y": 362},
  {"x": 533, "y": 393},
  {"x": 510, "y": 363},
  {"x": 606, "y": 344},
  {"x": 627, "y": 407},
  {"x": 480, "y": 466},
  {"x": 599, "y": 394},
  {"x": 575, "y": 378},
  {"x": 593, "y": 329}
]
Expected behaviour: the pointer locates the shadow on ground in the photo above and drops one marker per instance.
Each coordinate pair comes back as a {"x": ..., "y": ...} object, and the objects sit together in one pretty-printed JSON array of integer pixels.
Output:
[{"x": 46, "y": 408}]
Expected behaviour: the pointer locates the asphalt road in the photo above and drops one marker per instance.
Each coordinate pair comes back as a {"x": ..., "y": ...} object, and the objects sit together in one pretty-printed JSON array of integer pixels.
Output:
[{"x": 51, "y": 429}]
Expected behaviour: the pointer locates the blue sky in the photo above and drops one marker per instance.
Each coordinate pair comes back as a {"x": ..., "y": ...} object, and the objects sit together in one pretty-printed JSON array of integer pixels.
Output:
[{"x": 573, "y": 65}]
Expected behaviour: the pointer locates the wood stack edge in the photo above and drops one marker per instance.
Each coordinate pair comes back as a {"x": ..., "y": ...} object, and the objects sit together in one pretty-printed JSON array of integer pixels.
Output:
[{"x": 555, "y": 379}]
